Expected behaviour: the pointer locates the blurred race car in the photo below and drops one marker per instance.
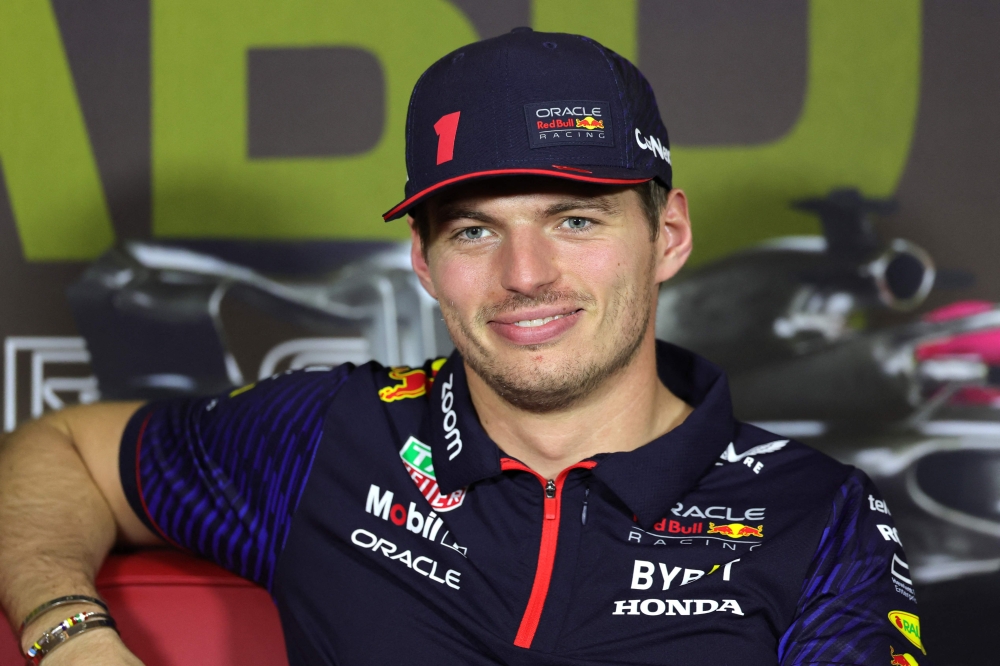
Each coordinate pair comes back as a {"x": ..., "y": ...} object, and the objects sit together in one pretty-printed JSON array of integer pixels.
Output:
[
  {"x": 916, "y": 404},
  {"x": 162, "y": 320}
]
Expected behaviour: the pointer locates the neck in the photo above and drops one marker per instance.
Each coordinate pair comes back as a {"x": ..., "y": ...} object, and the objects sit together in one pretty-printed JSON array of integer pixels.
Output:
[{"x": 629, "y": 410}]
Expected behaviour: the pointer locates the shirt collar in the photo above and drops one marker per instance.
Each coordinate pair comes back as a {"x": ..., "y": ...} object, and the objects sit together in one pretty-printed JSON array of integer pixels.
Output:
[
  {"x": 462, "y": 451},
  {"x": 649, "y": 480},
  {"x": 654, "y": 477}
]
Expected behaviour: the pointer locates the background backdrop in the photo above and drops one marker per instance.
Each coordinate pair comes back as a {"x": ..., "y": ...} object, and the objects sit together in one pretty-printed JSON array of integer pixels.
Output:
[{"x": 271, "y": 133}]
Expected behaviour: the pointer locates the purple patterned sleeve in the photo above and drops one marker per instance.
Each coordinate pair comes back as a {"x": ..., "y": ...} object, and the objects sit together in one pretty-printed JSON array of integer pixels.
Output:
[
  {"x": 857, "y": 604},
  {"x": 222, "y": 476}
]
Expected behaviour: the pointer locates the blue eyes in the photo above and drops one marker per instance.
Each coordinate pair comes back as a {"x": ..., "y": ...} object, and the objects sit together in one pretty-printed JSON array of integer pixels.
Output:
[
  {"x": 473, "y": 233},
  {"x": 470, "y": 234},
  {"x": 577, "y": 223}
]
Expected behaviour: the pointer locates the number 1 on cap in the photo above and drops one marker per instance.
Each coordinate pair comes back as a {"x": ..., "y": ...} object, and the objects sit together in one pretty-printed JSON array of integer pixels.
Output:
[{"x": 446, "y": 127}]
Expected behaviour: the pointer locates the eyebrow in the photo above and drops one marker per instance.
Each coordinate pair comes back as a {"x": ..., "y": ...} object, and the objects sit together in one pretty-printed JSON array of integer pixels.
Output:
[
  {"x": 449, "y": 213},
  {"x": 600, "y": 204}
]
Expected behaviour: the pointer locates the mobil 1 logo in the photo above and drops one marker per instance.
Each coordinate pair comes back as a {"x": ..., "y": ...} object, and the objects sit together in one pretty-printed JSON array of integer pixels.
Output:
[{"x": 569, "y": 123}]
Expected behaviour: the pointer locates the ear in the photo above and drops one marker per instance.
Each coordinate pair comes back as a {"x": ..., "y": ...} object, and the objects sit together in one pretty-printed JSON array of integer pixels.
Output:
[
  {"x": 674, "y": 243},
  {"x": 419, "y": 259}
]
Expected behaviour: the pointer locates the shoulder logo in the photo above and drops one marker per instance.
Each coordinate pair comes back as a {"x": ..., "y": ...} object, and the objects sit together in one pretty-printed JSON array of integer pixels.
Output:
[
  {"x": 749, "y": 456},
  {"x": 730, "y": 455},
  {"x": 417, "y": 458},
  {"x": 908, "y": 624},
  {"x": 412, "y": 382},
  {"x": 901, "y": 580}
]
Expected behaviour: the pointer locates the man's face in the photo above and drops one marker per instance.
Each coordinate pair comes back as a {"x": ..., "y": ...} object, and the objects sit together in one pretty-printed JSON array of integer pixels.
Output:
[{"x": 547, "y": 287}]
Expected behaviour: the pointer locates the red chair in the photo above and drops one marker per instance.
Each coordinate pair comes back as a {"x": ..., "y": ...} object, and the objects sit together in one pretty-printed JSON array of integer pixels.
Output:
[{"x": 173, "y": 609}]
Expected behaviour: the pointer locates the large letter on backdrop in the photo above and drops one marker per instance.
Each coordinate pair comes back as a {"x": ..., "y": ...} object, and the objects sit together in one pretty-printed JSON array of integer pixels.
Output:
[
  {"x": 855, "y": 130},
  {"x": 204, "y": 183},
  {"x": 52, "y": 180}
]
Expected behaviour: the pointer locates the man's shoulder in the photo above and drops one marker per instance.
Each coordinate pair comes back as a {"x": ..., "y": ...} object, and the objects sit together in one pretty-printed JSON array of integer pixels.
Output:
[
  {"x": 786, "y": 470},
  {"x": 396, "y": 395},
  {"x": 780, "y": 454},
  {"x": 398, "y": 384},
  {"x": 390, "y": 384}
]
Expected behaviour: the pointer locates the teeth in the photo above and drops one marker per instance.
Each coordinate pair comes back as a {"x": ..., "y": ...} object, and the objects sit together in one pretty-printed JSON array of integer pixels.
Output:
[{"x": 531, "y": 323}]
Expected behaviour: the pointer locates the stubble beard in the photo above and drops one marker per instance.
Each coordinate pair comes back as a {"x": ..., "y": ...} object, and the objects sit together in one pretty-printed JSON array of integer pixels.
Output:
[{"x": 540, "y": 390}]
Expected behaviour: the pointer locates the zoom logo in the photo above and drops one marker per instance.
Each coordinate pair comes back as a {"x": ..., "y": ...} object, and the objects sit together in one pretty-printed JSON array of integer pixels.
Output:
[{"x": 450, "y": 422}]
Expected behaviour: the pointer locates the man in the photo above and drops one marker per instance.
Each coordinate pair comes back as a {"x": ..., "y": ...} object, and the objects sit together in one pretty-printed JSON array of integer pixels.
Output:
[{"x": 562, "y": 489}]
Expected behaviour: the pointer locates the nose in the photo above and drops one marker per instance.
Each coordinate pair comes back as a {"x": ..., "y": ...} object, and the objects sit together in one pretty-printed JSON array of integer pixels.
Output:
[{"x": 528, "y": 261}]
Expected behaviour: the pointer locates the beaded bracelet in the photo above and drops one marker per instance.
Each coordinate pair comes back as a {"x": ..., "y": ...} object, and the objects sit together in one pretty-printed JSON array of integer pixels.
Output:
[
  {"x": 61, "y": 601},
  {"x": 65, "y": 630}
]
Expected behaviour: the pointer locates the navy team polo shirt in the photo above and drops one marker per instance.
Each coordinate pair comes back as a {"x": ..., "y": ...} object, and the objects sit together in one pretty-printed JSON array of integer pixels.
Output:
[{"x": 390, "y": 529}]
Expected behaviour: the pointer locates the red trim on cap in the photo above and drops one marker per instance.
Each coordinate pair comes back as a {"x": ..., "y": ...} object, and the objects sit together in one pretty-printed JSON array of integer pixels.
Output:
[
  {"x": 569, "y": 168},
  {"x": 510, "y": 172}
]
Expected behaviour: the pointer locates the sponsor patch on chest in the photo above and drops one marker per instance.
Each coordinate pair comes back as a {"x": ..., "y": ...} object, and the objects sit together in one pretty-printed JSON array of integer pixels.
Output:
[{"x": 417, "y": 458}]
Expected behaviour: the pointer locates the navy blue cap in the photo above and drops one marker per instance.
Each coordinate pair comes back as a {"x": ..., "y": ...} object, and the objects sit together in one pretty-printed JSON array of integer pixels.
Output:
[{"x": 532, "y": 103}]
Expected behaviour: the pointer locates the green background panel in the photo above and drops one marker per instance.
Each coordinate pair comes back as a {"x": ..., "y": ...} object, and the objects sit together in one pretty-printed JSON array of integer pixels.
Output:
[
  {"x": 855, "y": 129},
  {"x": 52, "y": 181},
  {"x": 203, "y": 183}
]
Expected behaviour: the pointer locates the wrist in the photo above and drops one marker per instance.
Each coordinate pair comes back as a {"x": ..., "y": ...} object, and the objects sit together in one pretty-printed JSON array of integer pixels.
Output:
[
  {"x": 50, "y": 618},
  {"x": 102, "y": 646}
]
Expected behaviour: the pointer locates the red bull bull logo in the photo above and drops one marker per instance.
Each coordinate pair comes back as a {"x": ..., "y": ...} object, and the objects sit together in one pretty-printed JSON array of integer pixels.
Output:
[
  {"x": 906, "y": 659},
  {"x": 413, "y": 383},
  {"x": 736, "y": 530},
  {"x": 908, "y": 624},
  {"x": 589, "y": 123}
]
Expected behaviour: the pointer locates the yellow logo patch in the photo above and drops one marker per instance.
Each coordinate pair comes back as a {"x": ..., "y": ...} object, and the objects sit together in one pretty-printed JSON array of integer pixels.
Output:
[
  {"x": 413, "y": 383},
  {"x": 736, "y": 530},
  {"x": 906, "y": 659},
  {"x": 908, "y": 625}
]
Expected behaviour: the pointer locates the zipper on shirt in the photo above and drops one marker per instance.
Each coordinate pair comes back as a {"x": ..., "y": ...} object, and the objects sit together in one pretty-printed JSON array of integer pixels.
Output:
[{"x": 552, "y": 489}]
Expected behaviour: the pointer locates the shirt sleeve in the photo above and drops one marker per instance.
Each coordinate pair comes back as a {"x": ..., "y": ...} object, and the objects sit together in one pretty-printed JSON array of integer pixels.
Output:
[
  {"x": 222, "y": 476},
  {"x": 857, "y": 604}
]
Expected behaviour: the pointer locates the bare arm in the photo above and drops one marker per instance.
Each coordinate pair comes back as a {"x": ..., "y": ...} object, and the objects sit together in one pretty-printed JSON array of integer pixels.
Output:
[{"x": 62, "y": 508}]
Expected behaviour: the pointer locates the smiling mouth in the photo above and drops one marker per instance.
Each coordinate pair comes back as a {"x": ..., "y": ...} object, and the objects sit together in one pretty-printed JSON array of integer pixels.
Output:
[{"x": 531, "y": 323}]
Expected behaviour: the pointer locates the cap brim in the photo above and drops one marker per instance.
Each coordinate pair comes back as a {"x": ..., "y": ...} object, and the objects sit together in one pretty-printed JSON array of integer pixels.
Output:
[{"x": 603, "y": 176}]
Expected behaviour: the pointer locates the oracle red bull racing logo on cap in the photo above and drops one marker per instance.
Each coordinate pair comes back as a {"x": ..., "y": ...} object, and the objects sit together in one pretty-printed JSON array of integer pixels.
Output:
[{"x": 573, "y": 122}]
